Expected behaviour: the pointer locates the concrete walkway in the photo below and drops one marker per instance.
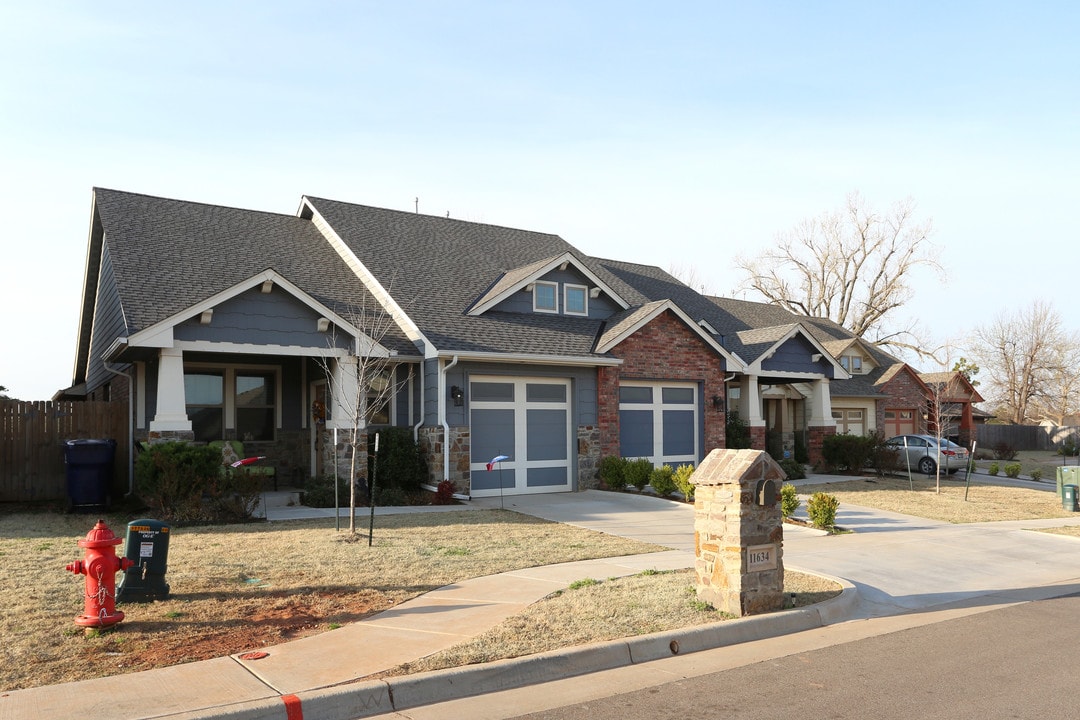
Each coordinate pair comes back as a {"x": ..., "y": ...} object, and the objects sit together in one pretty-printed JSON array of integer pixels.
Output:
[{"x": 899, "y": 566}]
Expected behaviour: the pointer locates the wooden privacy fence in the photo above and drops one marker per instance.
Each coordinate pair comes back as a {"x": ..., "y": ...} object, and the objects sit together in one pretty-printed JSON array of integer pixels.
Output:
[
  {"x": 1028, "y": 437},
  {"x": 32, "y": 437}
]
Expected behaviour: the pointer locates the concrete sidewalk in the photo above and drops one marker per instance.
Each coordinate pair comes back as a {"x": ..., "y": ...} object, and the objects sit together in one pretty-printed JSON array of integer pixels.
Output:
[{"x": 899, "y": 565}]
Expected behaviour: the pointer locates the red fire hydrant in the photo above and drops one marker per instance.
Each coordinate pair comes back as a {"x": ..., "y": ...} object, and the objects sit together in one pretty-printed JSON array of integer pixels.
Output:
[{"x": 100, "y": 567}]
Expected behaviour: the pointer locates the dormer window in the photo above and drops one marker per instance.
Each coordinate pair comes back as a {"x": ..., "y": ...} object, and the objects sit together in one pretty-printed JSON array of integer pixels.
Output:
[
  {"x": 575, "y": 299},
  {"x": 851, "y": 363},
  {"x": 546, "y": 297}
]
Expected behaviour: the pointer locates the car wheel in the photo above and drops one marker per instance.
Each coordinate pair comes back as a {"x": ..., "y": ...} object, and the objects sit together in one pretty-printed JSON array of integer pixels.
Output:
[{"x": 927, "y": 466}]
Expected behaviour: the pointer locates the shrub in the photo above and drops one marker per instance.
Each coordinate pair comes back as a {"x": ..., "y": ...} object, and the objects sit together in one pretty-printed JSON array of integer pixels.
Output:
[
  {"x": 613, "y": 472},
  {"x": 400, "y": 466},
  {"x": 1069, "y": 448},
  {"x": 187, "y": 484},
  {"x": 737, "y": 431},
  {"x": 794, "y": 470},
  {"x": 1036, "y": 474},
  {"x": 682, "y": 481},
  {"x": 822, "y": 510},
  {"x": 662, "y": 480},
  {"x": 390, "y": 496},
  {"x": 993, "y": 469},
  {"x": 1004, "y": 451},
  {"x": 444, "y": 493},
  {"x": 851, "y": 453},
  {"x": 638, "y": 472},
  {"x": 319, "y": 492},
  {"x": 789, "y": 500},
  {"x": 1012, "y": 470}
]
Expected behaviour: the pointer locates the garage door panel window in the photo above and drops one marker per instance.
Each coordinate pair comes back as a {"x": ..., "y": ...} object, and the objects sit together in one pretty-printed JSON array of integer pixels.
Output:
[
  {"x": 492, "y": 392},
  {"x": 547, "y": 434},
  {"x": 535, "y": 393},
  {"x": 636, "y": 433},
  {"x": 492, "y": 434},
  {"x": 679, "y": 432},
  {"x": 677, "y": 396},
  {"x": 485, "y": 480},
  {"x": 634, "y": 394},
  {"x": 546, "y": 477}
]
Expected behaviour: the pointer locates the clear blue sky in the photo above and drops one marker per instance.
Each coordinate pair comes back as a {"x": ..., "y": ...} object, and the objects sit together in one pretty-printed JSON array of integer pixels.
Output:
[{"x": 671, "y": 134}]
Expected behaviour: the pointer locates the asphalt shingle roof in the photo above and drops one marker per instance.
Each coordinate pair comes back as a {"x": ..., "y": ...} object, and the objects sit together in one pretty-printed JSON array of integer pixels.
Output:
[
  {"x": 439, "y": 267},
  {"x": 171, "y": 254}
]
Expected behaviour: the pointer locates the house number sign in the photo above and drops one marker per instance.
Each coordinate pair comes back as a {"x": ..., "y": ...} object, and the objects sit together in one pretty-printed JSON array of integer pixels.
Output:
[{"x": 760, "y": 557}]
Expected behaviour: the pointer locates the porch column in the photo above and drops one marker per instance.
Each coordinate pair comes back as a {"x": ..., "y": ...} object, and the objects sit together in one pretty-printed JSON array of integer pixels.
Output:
[
  {"x": 750, "y": 411},
  {"x": 821, "y": 405},
  {"x": 343, "y": 395},
  {"x": 171, "y": 401}
]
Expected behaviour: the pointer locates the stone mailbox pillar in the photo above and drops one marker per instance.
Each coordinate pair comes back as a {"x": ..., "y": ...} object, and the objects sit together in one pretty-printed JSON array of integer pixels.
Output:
[{"x": 738, "y": 532}]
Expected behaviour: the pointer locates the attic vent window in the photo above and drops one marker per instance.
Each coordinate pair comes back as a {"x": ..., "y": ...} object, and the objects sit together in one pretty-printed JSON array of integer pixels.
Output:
[{"x": 546, "y": 297}]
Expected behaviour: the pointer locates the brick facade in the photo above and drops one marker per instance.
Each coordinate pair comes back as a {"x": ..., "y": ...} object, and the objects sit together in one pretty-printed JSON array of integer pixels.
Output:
[
  {"x": 664, "y": 349},
  {"x": 905, "y": 392}
]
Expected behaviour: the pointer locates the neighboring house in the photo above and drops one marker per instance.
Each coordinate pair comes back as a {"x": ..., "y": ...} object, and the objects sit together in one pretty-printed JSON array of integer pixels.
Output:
[{"x": 223, "y": 323}]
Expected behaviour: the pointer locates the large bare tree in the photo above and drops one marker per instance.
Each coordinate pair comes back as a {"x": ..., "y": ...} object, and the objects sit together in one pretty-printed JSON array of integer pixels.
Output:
[
  {"x": 854, "y": 266},
  {"x": 1030, "y": 362}
]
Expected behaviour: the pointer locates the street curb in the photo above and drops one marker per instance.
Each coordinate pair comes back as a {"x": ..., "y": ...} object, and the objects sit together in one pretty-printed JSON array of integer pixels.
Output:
[{"x": 376, "y": 697}]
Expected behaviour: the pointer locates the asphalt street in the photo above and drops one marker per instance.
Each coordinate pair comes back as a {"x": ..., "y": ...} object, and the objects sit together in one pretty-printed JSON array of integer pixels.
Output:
[{"x": 1016, "y": 662}]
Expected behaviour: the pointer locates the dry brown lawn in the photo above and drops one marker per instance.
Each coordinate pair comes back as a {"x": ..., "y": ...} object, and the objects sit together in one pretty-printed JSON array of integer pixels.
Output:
[
  {"x": 240, "y": 587},
  {"x": 984, "y": 503}
]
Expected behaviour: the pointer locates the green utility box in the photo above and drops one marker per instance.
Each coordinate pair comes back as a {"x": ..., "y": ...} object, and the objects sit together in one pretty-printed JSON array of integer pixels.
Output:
[
  {"x": 147, "y": 547},
  {"x": 1068, "y": 497},
  {"x": 1067, "y": 475}
]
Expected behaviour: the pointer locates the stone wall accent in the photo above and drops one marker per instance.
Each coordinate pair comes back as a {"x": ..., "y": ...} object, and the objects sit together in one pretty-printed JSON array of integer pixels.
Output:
[
  {"x": 431, "y": 448},
  {"x": 344, "y": 455},
  {"x": 588, "y": 457},
  {"x": 163, "y": 436},
  {"x": 664, "y": 349},
  {"x": 733, "y": 533}
]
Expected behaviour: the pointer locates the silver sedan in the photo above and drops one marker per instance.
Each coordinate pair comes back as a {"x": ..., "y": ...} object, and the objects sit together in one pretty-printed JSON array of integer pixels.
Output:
[{"x": 923, "y": 453}]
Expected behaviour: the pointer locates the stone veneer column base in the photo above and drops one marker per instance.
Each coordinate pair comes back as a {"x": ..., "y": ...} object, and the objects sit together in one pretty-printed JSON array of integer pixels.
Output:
[
  {"x": 738, "y": 542},
  {"x": 164, "y": 436},
  {"x": 588, "y": 457}
]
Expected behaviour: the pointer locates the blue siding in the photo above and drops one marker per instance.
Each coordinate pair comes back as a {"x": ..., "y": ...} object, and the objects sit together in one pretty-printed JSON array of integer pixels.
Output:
[
  {"x": 522, "y": 302},
  {"x": 108, "y": 323},
  {"x": 793, "y": 356},
  {"x": 257, "y": 318}
]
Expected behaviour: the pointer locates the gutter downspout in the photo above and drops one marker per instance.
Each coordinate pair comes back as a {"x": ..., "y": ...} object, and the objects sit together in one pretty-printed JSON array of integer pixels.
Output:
[
  {"x": 420, "y": 422},
  {"x": 442, "y": 417},
  {"x": 131, "y": 425}
]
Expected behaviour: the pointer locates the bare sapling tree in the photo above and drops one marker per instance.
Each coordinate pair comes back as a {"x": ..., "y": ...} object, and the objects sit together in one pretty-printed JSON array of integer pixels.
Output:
[
  {"x": 378, "y": 381},
  {"x": 853, "y": 266},
  {"x": 943, "y": 409},
  {"x": 1030, "y": 362}
]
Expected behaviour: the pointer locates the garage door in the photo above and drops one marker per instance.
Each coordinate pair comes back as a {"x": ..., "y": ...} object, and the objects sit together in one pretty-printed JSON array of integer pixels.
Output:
[
  {"x": 659, "y": 421},
  {"x": 528, "y": 420},
  {"x": 899, "y": 422}
]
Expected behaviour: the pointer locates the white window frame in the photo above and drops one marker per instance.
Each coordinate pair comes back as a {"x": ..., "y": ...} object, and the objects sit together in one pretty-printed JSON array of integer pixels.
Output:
[
  {"x": 555, "y": 296},
  {"x": 567, "y": 287},
  {"x": 229, "y": 372}
]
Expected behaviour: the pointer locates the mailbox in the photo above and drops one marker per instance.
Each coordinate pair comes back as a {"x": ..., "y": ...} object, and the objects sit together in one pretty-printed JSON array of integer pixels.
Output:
[
  {"x": 147, "y": 547},
  {"x": 765, "y": 493}
]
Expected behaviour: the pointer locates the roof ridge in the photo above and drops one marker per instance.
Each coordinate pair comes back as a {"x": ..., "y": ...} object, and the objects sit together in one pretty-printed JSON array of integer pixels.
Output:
[
  {"x": 218, "y": 206},
  {"x": 314, "y": 198}
]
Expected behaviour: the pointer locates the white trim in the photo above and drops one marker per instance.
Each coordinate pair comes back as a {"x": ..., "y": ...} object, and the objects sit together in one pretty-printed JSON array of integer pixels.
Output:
[
  {"x": 381, "y": 294},
  {"x": 140, "y": 394},
  {"x": 567, "y": 287},
  {"x": 566, "y": 258},
  {"x": 554, "y": 296},
  {"x": 253, "y": 349},
  {"x": 533, "y": 359}
]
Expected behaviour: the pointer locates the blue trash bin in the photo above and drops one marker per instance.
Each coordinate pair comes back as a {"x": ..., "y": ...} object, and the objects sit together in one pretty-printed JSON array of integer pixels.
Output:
[{"x": 89, "y": 473}]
